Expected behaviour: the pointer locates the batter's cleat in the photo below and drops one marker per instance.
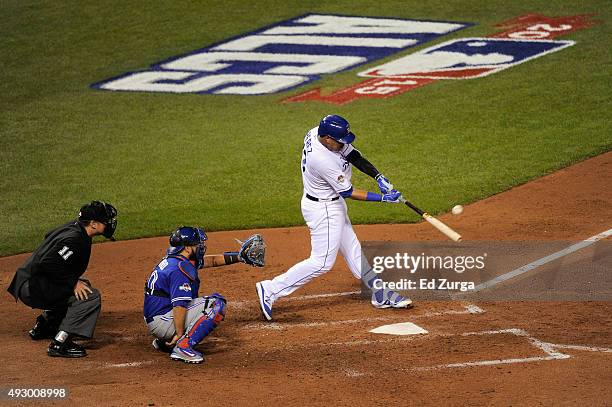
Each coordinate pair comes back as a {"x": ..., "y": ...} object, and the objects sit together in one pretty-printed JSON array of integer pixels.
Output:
[
  {"x": 67, "y": 349},
  {"x": 265, "y": 304},
  {"x": 160, "y": 345},
  {"x": 187, "y": 355},
  {"x": 390, "y": 299},
  {"x": 42, "y": 330}
]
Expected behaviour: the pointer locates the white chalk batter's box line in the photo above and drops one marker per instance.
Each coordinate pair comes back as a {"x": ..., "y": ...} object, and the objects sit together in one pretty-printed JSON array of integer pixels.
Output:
[
  {"x": 276, "y": 326},
  {"x": 551, "y": 351},
  {"x": 242, "y": 304}
]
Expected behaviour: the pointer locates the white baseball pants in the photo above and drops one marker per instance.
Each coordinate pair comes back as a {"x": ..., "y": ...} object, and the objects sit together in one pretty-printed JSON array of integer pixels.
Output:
[{"x": 330, "y": 231}]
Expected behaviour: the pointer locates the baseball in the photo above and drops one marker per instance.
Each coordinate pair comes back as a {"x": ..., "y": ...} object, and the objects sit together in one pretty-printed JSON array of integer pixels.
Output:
[{"x": 457, "y": 210}]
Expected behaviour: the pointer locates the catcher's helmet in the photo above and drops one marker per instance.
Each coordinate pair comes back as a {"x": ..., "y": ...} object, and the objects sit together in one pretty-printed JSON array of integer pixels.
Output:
[
  {"x": 336, "y": 127},
  {"x": 188, "y": 236},
  {"x": 102, "y": 212}
]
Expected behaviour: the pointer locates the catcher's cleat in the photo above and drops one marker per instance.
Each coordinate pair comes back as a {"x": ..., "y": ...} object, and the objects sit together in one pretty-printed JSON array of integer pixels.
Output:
[
  {"x": 41, "y": 329},
  {"x": 390, "y": 299},
  {"x": 265, "y": 304},
  {"x": 160, "y": 345},
  {"x": 67, "y": 349},
  {"x": 186, "y": 354}
]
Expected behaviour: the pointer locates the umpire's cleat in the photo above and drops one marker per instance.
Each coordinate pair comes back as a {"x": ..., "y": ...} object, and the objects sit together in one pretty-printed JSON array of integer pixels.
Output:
[
  {"x": 264, "y": 302},
  {"x": 41, "y": 330},
  {"x": 160, "y": 345},
  {"x": 67, "y": 349},
  {"x": 187, "y": 355},
  {"x": 390, "y": 299}
]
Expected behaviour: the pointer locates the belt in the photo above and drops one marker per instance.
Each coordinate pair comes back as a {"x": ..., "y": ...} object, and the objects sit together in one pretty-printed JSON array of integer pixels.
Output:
[
  {"x": 157, "y": 293},
  {"x": 312, "y": 198},
  {"x": 148, "y": 320}
]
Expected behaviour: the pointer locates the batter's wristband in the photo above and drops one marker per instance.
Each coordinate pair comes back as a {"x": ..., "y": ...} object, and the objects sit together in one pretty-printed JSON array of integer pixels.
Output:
[
  {"x": 231, "y": 257},
  {"x": 373, "y": 196}
]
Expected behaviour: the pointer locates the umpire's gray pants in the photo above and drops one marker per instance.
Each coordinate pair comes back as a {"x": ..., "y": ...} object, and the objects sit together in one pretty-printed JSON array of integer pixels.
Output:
[
  {"x": 77, "y": 317},
  {"x": 162, "y": 326}
]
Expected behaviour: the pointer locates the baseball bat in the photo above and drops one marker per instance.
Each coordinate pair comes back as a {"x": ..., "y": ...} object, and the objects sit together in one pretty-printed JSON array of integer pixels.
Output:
[{"x": 448, "y": 232}]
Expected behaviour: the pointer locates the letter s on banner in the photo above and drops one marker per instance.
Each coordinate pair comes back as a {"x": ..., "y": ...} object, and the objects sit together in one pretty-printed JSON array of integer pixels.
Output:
[{"x": 190, "y": 82}]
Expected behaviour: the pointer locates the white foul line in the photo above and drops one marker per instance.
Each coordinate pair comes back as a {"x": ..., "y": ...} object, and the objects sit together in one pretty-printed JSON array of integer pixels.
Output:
[{"x": 535, "y": 264}]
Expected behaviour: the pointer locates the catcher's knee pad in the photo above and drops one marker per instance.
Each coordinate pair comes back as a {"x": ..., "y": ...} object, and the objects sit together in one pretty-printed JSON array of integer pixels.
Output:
[{"x": 218, "y": 308}]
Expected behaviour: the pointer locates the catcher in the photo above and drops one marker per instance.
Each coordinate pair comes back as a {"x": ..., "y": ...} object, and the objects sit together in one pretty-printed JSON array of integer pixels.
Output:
[{"x": 176, "y": 316}]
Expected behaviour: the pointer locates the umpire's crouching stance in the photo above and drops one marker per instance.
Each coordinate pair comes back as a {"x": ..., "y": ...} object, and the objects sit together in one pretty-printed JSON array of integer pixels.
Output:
[{"x": 51, "y": 280}]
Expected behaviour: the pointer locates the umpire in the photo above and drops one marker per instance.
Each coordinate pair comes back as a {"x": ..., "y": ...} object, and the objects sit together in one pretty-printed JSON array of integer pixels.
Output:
[{"x": 51, "y": 280}]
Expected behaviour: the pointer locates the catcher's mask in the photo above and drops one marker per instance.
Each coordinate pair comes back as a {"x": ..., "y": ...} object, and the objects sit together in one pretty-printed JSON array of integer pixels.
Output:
[
  {"x": 102, "y": 212},
  {"x": 189, "y": 236},
  {"x": 336, "y": 127}
]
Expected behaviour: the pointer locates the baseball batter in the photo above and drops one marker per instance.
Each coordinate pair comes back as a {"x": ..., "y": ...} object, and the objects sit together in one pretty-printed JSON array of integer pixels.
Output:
[
  {"x": 327, "y": 160},
  {"x": 175, "y": 314}
]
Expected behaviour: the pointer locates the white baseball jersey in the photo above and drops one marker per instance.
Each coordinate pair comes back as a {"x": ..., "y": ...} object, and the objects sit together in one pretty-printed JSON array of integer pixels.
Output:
[{"x": 325, "y": 173}]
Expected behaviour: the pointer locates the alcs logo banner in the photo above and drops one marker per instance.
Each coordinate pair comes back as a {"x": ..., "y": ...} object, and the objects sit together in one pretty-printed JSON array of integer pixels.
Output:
[
  {"x": 282, "y": 56},
  {"x": 525, "y": 38}
]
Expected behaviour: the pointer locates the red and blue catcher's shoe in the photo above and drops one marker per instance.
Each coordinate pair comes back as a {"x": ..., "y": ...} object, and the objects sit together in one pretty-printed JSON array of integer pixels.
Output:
[{"x": 185, "y": 353}]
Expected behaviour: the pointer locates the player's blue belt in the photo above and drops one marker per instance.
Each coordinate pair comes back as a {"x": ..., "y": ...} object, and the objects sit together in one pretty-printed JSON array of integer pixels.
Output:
[{"x": 312, "y": 198}]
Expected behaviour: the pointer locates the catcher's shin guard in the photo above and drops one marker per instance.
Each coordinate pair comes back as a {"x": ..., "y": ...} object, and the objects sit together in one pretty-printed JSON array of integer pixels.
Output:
[{"x": 205, "y": 324}]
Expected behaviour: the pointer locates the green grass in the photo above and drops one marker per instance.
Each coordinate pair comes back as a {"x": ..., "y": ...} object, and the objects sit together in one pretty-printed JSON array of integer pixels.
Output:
[{"x": 227, "y": 162}]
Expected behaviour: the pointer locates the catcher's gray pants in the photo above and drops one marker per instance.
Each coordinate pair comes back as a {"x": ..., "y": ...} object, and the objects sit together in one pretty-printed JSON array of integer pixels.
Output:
[
  {"x": 162, "y": 326},
  {"x": 77, "y": 317}
]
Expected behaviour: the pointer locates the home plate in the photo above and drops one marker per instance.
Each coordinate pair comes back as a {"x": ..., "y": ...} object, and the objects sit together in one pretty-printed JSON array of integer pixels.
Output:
[{"x": 403, "y": 328}]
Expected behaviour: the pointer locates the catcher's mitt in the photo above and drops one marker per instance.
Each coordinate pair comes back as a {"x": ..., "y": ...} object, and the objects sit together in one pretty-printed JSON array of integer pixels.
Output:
[{"x": 253, "y": 251}]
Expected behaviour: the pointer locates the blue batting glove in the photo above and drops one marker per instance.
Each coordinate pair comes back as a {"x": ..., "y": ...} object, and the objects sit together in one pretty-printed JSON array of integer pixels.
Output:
[
  {"x": 383, "y": 184},
  {"x": 392, "y": 197}
]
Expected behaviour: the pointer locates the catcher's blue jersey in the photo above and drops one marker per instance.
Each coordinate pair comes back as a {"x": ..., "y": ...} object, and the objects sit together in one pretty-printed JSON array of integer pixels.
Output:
[{"x": 173, "y": 282}]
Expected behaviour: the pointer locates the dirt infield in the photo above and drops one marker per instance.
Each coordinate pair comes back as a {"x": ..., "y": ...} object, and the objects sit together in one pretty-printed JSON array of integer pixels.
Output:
[{"x": 318, "y": 351}]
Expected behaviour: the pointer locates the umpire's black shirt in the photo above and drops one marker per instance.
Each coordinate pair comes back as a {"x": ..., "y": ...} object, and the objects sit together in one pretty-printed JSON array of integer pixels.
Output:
[{"x": 55, "y": 267}]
